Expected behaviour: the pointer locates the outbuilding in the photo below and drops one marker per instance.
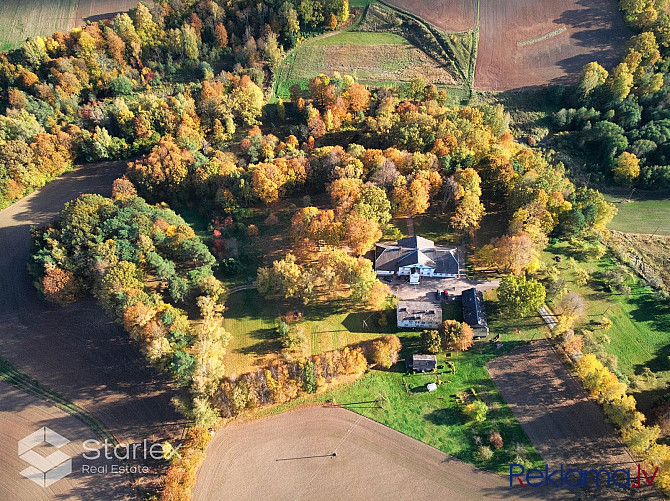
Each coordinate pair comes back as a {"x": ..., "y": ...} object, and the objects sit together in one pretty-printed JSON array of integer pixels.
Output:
[{"x": 421, "y": 363}]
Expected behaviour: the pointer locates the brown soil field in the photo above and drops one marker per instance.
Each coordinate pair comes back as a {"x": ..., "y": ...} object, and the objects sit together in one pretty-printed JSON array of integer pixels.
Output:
[
  {"x": 77, "y": 351},
  {"x": 289, "y": 456},
  {"x": 448, "y": 15},
  {"x": 94, "y": 10},
  {"x": 21, "y": 415},
  {"x": 565, "y": 426},
  {"x": 525, "y": 43},
  {"x": 594, "y": 30}
]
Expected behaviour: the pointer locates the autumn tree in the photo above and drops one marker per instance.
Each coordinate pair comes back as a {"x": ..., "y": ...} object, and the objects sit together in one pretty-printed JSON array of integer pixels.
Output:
[
  {"x": 626, "y": 168},
  {"x": 457, "y": 336},
  {"x": 163, "y": 171},
  {"x": 431, "y": 341},
  {"x": 592, "y": 76},
  {"x": 283, "y": 279},
  {"x": 358, "y": 97},
  {"x": 513, "y": 254},
  {"x": 468, "y": 214},
  {"x": 361, "y": 234}
]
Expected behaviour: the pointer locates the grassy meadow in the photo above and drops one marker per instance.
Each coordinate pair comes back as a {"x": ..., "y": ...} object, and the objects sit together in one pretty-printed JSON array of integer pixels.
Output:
[
  {"x": 20, "y": 19},
  {"x": 645, "y": 213},
  {"x": 640, "y": 333}
]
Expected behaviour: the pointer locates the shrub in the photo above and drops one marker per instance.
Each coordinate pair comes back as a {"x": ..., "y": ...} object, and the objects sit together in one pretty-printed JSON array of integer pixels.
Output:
[
  {"x": 495, "y": 439},
  {"x": 476, "y": 411},
  {"x": 484, "y": 453}
]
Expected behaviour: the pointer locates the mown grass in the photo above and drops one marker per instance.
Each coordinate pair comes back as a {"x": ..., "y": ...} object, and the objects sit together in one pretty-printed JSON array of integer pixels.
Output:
[
  {"x": 640, "y": 332},
  {"x": 646, "y": 213},
  {"x": 251, "y": 321},
  {"x": 437, "y": 418}
]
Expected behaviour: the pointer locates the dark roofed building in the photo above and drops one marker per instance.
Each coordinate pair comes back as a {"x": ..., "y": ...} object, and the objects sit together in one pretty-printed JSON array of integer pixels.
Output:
[
  {"x": 421, "y": 363},
  {"x": 474, "y": 313},
  {"x": 419, "y": 314},
  {"x": 416, "y": 255}
]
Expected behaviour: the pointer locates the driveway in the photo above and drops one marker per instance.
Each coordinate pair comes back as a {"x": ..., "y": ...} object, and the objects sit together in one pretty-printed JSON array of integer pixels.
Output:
[{"x": 426, "y": 289}]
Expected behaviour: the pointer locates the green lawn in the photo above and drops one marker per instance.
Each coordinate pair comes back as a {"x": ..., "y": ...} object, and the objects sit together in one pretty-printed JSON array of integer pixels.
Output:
[
  {"x": 642, "y": 215},
  {"x": 251, "y": 320},
  {"x": 360, "y": 3},
  {"x": 436, "y": 418},
  {"x": 640, "y": 334}
]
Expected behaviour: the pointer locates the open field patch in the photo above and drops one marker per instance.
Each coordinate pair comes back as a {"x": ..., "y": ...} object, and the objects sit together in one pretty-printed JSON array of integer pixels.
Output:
[
  {"x": 581, "y": 31},
  {"x": 369, "y": 63},
  {"x": 20, "y": 19},
  {"x": 448, "y": 15},
  {"x": 293, "y": 454},
  {"x": 554, "y": 410},
  {"x": 638, "y": 336},
  {"x": 642, "y": 214},
  {"x": 252, "y": 321},
  {"x": 21, "y": 415}
]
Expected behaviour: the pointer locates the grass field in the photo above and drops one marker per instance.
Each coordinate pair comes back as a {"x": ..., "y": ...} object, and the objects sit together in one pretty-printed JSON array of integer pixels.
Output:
[
  {"x": 359, "y": 38},
  {"x": 251, "y": 320},
  {"x": 375, "y": 52},
  {"x": 20, "y": 19},
  {"x": 640, "y": 333},
  {"x": 646, "y": 213},
  {"x": 436, "y": 418}
]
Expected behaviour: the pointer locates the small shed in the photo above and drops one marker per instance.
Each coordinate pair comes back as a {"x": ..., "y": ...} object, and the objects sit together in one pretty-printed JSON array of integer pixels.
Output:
[{"x": 421, "y": 363}]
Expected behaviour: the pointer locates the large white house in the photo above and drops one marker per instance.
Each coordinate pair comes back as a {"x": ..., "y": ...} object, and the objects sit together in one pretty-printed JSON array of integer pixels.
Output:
[{"x": 416, "y": 257}]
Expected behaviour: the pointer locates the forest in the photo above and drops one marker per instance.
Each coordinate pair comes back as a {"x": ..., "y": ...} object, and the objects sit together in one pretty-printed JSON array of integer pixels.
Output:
[{"x": 182, "y": 92}]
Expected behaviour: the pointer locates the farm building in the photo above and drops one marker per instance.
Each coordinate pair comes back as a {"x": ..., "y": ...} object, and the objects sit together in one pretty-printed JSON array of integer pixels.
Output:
[
  {"x": 474, "y": 313},
  {"x": 421, "y": 363},
  {"x": 421, "y": 314},
  {"x": 416, "y": 257}
]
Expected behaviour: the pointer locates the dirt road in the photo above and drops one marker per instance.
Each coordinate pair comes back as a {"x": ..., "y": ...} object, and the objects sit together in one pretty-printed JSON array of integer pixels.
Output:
[
  {"x": 289, "y": 456},
  {"x": 77, "y": 351}
]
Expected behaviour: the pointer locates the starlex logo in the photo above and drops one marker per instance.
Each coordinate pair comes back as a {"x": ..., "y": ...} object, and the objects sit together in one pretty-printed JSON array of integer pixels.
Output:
[
  {"x": 45, "y": 470},
  {"x": 574, "y": 477}
]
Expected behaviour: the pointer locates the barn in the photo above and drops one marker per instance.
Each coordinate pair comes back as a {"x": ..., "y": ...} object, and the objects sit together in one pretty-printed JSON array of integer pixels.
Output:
[
  {"x": 419, "y": 314},
  {"x": 474, "y": 313},
  {"x": 421, "y": 363}
]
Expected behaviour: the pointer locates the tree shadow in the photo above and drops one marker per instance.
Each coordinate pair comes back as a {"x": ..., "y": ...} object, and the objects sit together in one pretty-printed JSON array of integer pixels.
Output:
[
  {"x": 268, "y": 343},
  {"x": 444, "y": 417},
  {"x": 363, "y": 321}
]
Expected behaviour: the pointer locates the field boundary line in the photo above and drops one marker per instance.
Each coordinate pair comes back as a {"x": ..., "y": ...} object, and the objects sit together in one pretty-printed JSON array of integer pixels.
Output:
[{"x": 22, "y": 382}]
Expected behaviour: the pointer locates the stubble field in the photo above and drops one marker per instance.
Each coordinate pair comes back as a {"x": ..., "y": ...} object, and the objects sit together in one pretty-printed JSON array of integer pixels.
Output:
[{"x": 20, "y": 19}]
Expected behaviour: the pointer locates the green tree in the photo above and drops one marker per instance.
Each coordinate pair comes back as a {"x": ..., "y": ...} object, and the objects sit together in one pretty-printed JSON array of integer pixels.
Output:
[
  {"x": 431, "y": 341},
  {"x": 519, "y": 296},
  {"x": 592, "y": 76}
]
